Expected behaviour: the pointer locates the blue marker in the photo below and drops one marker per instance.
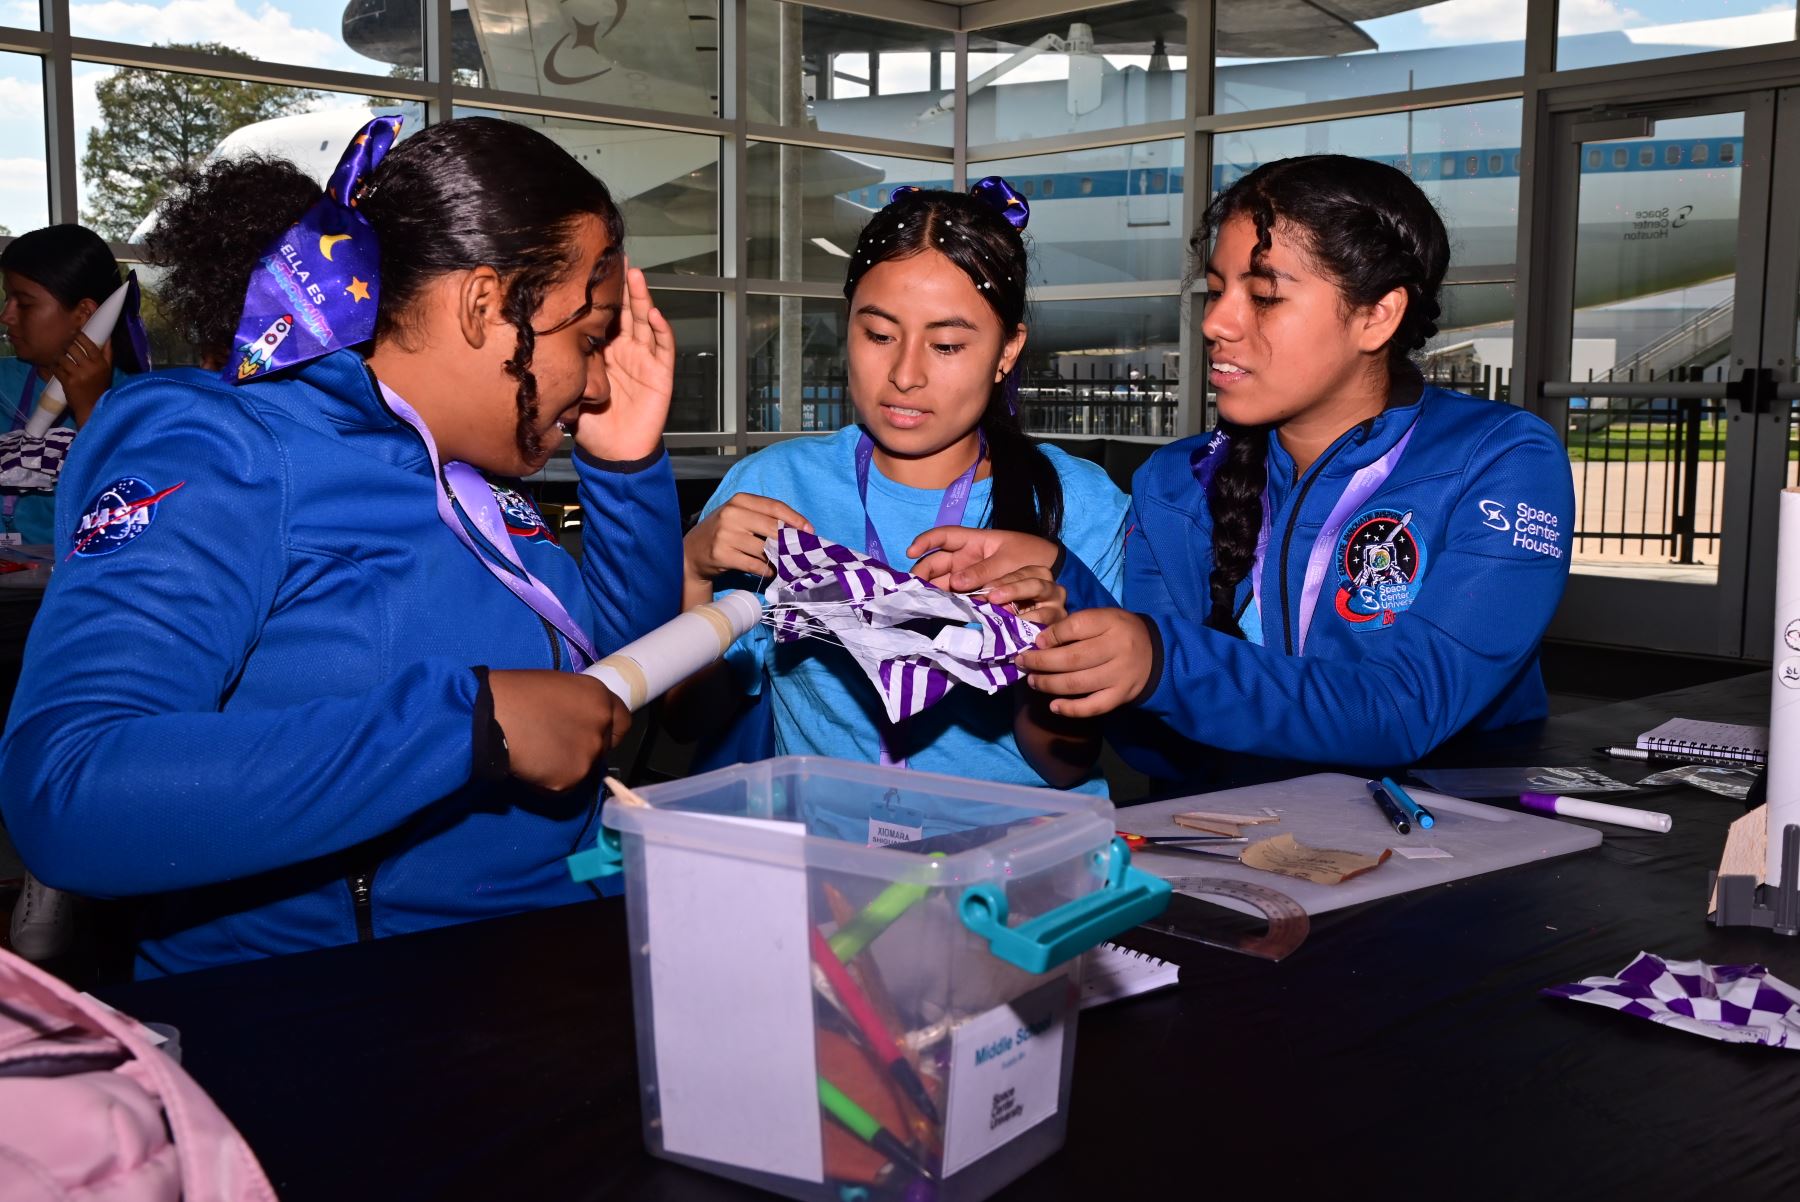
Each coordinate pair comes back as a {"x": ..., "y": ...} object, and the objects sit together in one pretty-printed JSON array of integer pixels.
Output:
[{"x": 1419, "y": 814}]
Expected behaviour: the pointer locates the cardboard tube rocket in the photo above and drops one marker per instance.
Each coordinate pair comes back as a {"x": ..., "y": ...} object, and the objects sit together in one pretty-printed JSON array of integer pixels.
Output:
[
  {"x": 99, "y": 329},
  {"x": 642, "y": 671}
]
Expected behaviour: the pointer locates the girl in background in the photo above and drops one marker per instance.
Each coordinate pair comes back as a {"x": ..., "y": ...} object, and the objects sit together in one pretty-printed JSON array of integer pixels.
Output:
[{"x": 55, "y": 278}]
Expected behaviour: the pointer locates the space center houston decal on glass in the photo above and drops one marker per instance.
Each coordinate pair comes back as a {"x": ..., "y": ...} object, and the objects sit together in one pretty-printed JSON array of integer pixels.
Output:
[
  {"x": 1380, "y": 563},
  {"x": 123, "y": 510}
]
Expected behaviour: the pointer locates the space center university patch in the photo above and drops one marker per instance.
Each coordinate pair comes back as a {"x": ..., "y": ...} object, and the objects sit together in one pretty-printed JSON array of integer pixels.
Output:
[
  {"x": 1380, "y": 566},
  {"x": 123, "y": 510}
]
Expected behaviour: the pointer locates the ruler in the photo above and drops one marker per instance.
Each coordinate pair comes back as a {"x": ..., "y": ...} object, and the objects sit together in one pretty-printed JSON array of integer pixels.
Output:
[{"x": 1288, "y": 923}]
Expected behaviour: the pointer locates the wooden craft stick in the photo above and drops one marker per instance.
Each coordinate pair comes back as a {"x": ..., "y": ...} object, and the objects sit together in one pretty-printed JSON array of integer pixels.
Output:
[{"x": 624, "y": 795}]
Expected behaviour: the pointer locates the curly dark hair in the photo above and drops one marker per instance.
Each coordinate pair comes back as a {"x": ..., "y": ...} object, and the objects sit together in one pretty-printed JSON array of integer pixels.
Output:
[
  {"x": 215, "y": 223},
  {"x": 479, "y": 191},
  {"x": 1368, "y": 227}
]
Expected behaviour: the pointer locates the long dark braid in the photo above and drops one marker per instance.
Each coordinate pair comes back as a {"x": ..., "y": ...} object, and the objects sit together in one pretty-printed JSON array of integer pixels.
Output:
[{"x": 1371, "y": 229}]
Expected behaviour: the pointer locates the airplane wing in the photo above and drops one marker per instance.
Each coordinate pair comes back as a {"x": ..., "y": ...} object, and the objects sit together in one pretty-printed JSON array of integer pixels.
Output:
[{"x": 1245, "y": 29}]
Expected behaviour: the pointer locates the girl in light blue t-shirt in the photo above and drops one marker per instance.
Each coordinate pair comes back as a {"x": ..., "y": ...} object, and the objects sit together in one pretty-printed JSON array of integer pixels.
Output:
[
  {"x": 936, "y": 291},
  {"x": 55, "y": 278}
]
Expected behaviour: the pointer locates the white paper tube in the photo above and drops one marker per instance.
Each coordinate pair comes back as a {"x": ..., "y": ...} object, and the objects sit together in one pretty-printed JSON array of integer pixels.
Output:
[
  {"x": 99, "y": 329},
  {"x": 1597, "y": 811},
  {"x": 642, "y": 671},
  {"x": 1784, "y": 699}
]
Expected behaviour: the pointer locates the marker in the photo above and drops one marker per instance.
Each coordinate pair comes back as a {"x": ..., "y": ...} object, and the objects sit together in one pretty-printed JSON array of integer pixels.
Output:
[
  {"x": 1420, "y": 816},
  {"x": 1597, "y": 811},
  {"x": 1389, "y": 807},
  {"x": 874, "y": 1032},
  {"x": 853, "y": 937},
  {"x": 867, "y": 1128}
]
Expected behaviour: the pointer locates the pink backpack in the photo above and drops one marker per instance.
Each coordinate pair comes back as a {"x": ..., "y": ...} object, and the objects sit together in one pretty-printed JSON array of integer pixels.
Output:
[{"x": 91, "y": 1111}]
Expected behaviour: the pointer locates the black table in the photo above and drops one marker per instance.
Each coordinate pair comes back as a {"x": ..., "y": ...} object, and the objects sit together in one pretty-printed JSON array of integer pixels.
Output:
[{"x": 1402, "y": 1051}]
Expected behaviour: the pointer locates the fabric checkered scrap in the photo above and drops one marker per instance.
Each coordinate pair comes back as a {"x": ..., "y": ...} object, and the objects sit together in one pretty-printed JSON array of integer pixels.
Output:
[
  {"x": 33, "y": 463},
  {"x": 1737, "y": 1003},
  {"x": 912, "y": 639}
]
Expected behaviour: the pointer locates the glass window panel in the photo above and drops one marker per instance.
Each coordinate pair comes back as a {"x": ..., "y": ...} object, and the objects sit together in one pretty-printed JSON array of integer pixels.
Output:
[
  {"x": 1279, "y": 52},
  {"x": 1655, "y": 248},
  {"x": 24, "y": 176},
  {"x": 1103, "y": 367},
  {"x": 1106, "y": 68},
  {"x": 666, "y": 185},
  {"x": 374, "y": 37},
  {"x": 808, "y": 206},
  {"x": 21, "y": 14},
  {"x": 1125, "y": 227},
  {"x": 849, "y": 74},
  {"x": 1473, "y": 349},
  {"x": 694, "y": 316},
  {"x": 796, "y": 376},
  {"x": 650, "y": 56},
  {"x": 1480, "y": 209},
  {"x": 145, "y": 124},
  {"x": 1591, "y": 33}
]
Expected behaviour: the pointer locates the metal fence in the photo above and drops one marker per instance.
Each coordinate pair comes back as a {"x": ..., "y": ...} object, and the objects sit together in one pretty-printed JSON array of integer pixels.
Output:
[
  {"x": 1113, "y": 400},
  {"x": 1648, "y": 474}
]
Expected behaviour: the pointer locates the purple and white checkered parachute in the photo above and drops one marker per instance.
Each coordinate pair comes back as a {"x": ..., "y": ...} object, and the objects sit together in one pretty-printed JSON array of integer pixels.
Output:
[
  {"x": 1737, "y": 1003},
  {"x": 28, "y": 462},
  {"x": 913, "y": 639}
]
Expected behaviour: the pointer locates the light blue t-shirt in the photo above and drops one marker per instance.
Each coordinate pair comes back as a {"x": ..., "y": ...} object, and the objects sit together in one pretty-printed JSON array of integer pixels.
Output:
[{"x": 823, "y": 703}]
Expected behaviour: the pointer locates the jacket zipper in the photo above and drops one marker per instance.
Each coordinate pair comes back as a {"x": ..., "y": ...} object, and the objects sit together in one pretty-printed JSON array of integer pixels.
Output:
[
  {"x": 1287, "y": 540},
  {"x": 555, "y": 642},
  {"x": 362, "y": 888}
]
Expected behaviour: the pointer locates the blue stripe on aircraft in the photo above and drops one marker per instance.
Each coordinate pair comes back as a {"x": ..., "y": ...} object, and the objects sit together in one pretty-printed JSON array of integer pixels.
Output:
[{"x": 1606, "y": 158}]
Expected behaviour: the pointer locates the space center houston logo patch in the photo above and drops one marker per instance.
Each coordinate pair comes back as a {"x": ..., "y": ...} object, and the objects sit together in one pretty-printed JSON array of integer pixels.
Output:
[
  {"x": 123, "y": 510},
  {"x": 1381, "y": 564},
  {"x": 522, "y": 518}
]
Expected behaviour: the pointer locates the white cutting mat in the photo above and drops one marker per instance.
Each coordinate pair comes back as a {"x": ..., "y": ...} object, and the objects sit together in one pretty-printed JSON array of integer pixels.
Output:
[{"x": 1331, "y": 810}]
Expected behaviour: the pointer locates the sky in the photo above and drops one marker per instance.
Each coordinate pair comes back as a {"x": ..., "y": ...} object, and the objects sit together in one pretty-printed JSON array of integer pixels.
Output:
[{"x": 307, "y": 31}]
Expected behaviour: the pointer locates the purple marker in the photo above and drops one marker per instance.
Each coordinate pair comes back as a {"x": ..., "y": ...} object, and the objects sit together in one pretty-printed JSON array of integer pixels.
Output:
[{"x": 1597, "y": 811}]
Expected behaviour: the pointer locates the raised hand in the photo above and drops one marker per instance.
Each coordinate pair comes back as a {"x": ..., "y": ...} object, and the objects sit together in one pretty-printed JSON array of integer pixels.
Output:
[{"x": 640, "y": 371}]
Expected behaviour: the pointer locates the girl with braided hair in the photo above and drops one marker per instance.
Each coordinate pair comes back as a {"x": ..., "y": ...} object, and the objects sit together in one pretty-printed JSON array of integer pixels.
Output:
[
  {"x": 315, "y": 674},
  {"x": 1355, "y": 565},
  {"x": 936, "y": 289}
]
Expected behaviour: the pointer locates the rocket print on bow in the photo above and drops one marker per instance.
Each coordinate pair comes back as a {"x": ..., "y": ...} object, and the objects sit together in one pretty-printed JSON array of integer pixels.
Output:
[{"x": 880, "y": 616}]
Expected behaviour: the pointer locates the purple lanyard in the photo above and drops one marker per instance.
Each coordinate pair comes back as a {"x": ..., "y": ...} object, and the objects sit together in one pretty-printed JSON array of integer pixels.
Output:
[
  {"x": 477, "y": 497},
  {"x": 950, "y": 513},
  {"x": 1362, "y": 486}
]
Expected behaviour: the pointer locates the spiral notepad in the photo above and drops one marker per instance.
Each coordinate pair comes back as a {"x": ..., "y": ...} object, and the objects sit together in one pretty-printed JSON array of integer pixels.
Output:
[
  {"x": 1110, "y": 972},
  {"x": 1708, "y": 742}
]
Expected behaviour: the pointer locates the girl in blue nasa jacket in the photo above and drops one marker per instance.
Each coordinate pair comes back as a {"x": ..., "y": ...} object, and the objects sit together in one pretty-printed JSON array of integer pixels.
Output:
[
  {"x": 295, "y": 691},
  {"x": 1354, "y": 566}
]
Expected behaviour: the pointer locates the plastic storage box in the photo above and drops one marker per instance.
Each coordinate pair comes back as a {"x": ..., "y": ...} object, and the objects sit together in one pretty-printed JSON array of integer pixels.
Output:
[{"x": 861, "y": 982}]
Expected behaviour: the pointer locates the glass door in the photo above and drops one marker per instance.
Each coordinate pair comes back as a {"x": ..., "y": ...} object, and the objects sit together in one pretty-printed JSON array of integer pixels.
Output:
[{"x": 1661, "y": 365}]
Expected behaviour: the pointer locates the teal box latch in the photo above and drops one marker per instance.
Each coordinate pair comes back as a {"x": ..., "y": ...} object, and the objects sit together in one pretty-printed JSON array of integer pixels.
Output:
[
  {"x": 1129, "y": 896},
  {"x": 604, "y": 859}
]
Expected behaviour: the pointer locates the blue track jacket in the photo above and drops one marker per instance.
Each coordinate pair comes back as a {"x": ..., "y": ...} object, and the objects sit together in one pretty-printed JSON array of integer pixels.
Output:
[
  {"x": 253, "y": 677},
  {"x": 1424, "y": 624}
]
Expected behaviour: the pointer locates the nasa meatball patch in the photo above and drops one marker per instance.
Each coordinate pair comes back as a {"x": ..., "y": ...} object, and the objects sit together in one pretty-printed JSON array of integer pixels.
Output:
[{"x": 123, "y": 510}]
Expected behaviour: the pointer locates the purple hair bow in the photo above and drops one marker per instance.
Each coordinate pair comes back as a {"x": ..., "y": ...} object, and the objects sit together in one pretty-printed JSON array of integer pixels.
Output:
[
  {"x": 991, "y": 190},
  {"x": 316, "y": 288}
]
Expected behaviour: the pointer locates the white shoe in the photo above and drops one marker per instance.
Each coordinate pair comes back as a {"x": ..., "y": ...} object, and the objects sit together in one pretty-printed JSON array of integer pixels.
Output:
[{"x": 43, "y": 921}]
